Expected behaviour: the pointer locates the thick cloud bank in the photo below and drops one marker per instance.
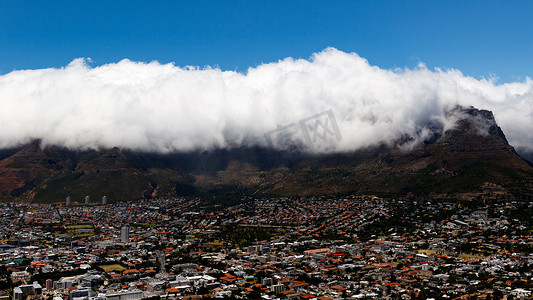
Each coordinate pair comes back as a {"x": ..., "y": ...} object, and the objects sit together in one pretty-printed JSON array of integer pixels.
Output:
[{"x": 162, "y": 107}]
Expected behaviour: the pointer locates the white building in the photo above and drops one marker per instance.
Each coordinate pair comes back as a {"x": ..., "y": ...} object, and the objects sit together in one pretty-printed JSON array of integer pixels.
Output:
[
  {"x": 129, "y": 295},
  {"x": 125, "y": 234},
  {"x": 278, "y": 288},
  {"x": 521, "y": 293},
  {"x": 21, "y": 291}
]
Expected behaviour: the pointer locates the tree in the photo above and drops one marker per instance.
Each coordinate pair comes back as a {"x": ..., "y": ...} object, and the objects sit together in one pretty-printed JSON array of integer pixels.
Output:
[{"x": 255, "y": 293}]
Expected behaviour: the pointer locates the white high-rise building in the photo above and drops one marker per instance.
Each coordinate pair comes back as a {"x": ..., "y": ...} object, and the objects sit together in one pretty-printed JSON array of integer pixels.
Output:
[
  {"x": 125, "y": 234},
  {"x": 87, "y": 199},
  {"x": 125, "y": 295},
  {"x": 104, "y": 200},
  {"x": 68, "y": 200}
]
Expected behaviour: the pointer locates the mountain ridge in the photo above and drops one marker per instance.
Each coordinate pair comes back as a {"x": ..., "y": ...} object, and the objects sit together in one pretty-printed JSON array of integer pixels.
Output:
[{"x": 460, "y": 162}]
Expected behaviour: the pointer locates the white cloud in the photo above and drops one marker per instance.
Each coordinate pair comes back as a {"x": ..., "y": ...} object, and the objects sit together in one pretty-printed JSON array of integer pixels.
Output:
[{"x": 156, "y": 107}]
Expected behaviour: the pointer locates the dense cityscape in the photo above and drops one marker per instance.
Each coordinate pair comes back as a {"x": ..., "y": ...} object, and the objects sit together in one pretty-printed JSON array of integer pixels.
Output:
[
  {"x": 357, "y": 247},
  {"x": 266, "y": 150}
]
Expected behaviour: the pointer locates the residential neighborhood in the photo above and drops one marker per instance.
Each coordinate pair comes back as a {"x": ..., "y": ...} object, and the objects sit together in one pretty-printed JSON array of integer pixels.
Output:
[{"x": 354, "y": 247}]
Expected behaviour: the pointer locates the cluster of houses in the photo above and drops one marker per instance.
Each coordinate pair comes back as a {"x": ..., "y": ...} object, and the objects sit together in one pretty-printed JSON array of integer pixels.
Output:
[{"x": 357, "y": 247}]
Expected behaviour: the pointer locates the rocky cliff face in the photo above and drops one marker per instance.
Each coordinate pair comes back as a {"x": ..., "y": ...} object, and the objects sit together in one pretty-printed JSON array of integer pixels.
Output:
[{"x": 459, "y": 161}]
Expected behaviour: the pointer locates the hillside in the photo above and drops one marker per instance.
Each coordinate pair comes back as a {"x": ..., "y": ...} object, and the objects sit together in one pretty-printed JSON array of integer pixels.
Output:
[{"x": 471, "y": 160}]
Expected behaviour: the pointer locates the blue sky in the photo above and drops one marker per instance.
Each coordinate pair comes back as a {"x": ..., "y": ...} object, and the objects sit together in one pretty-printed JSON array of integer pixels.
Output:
[{"x": 480, "y": 38}]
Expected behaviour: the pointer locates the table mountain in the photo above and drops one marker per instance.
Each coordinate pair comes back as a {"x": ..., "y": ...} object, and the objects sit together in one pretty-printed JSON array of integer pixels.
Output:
[{"x": 472, "y": 160}]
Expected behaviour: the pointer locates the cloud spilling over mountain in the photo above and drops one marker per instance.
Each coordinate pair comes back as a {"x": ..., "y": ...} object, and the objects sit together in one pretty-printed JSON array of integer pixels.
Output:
[{"x": 165, "y": 108}]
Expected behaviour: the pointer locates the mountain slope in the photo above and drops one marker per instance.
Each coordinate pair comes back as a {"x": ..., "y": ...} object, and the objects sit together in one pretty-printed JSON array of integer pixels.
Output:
[{"x": 471, "y": 160}]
